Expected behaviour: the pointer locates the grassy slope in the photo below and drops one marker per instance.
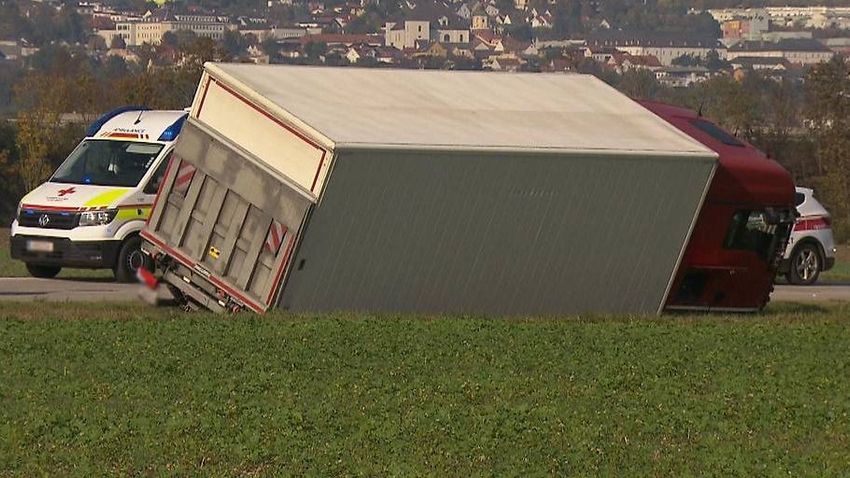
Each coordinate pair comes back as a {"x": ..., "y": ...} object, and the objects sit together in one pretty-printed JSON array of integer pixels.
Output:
[
  {"x": 139, "y": 390},
  {"x": 841, "y": 271},
  {"x": 12, "y": 268}
]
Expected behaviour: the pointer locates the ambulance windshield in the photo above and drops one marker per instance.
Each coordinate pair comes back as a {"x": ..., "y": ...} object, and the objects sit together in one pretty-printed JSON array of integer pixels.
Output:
[{"x": 107, "y": 163}]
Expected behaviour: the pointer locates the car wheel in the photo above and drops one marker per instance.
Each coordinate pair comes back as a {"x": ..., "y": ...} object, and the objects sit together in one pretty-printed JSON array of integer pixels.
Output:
[
  {"x": 130, "y": 259},
  {"x": 43, "y": 272},
  {"x": 806, "y": 265}
]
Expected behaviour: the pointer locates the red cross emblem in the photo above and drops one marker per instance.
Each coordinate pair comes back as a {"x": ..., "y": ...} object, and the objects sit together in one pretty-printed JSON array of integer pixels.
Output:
[{"x": 63, "y": 192}]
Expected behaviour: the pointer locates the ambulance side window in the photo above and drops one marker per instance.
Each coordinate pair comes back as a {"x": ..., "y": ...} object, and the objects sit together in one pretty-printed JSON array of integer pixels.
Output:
[{"x": 153, "y": 183}]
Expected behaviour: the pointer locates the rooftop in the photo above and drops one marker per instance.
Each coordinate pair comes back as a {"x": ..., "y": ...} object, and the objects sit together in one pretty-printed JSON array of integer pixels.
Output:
[
  {"x": 786, "y": 44},
  {"x": 647, "y": 38},
  {"x": 410, "y": 109}
]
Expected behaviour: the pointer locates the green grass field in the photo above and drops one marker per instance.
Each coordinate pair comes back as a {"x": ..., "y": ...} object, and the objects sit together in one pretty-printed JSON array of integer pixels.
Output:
[
  {"x": 841, "y": 271},
  {"x": 91, "y": 389}
]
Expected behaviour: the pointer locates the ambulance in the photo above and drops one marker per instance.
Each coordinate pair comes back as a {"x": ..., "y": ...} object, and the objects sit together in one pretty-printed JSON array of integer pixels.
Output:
[{"x": 90, "y": 212}]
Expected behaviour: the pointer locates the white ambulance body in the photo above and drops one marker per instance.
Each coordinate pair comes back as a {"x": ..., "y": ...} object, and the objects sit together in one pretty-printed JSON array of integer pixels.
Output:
[{"x": 89, "y": 213}]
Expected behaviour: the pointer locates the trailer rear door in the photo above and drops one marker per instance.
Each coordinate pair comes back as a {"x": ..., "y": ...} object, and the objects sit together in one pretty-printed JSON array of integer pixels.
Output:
[{"x": 229, "y": 223}]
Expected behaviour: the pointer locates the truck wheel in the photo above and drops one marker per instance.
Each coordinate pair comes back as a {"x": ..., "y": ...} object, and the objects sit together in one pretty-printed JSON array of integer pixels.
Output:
[
  {"x": 805, "y": 265},
  {"x": 43, "y": 272},
  {"x": 130, "y": 258}
]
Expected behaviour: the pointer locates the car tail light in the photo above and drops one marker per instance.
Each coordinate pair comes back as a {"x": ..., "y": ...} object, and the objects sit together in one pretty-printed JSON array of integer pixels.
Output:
[{"x": 813, "y": 223}]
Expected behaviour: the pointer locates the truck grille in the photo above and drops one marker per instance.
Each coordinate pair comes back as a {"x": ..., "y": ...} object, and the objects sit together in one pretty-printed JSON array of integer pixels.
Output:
[{"x": 54, "y": 219}]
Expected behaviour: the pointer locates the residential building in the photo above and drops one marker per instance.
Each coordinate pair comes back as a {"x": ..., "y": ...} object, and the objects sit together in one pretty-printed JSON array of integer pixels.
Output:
[
  {"x": 623, "y": 62},
  {"x": 151, "y": 29},
  {"x": 838, "y": 45},
  {"x": 682, "y": 76},
  {"x": 343, "y": 40},
  {"x": 480, "y": 22},
  {"x": 743, "y": 29},
  {"x": 405, "y": 34},
  {"x": 276, "y": 33},
  {"x": 815, "y": 17},
  {"x": 662, "y": 46},
  {"x": 425, "y": 23},
  {"x": 800, "y": 51},
  {"x": 760, "y": 63}
]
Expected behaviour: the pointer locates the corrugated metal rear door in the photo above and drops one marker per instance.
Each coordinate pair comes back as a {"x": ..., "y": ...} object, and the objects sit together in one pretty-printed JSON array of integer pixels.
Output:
[{"x": 228, "y": 218}]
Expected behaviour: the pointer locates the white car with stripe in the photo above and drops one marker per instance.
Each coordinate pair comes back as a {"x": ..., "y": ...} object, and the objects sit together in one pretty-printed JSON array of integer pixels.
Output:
[
  {"x": 89, "y": 213},
  {"x": 811, "y": 247}
]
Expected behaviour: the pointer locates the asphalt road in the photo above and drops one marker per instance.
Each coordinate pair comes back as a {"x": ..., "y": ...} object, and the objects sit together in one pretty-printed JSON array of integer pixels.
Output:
[
  {"x": 821, "y": 292},
  {"x": 27, "y": 288}
]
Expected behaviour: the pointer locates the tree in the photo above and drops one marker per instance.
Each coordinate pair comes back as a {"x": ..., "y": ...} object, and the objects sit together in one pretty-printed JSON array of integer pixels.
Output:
[
  {"x": 315, "y": 50},
  {"x": 115, "y": 67},
  {"x": 118, "y": 42},
  {"x": 169, "y": 39},
  {"x": 639, "y": 84},
  {"x": 730, "y": 104},
  {"x": 234, "y": 43},
  {"x": 686, "y": 60},
  {"x": 270, "y": 47},
  {"x": 713, "y": 61},
  {"x": 96, "y": 43},
  {"x": 827, "y": 114},
  {"x": 10, "y": 184}
]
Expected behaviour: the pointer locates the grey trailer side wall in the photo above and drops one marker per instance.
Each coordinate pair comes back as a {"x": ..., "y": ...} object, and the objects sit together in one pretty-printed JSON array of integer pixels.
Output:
[{"x": 504, "y": 234}]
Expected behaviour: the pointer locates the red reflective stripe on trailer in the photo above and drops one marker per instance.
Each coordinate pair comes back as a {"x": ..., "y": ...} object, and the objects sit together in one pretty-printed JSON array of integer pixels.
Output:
[
  {"x": 51, "y": 208},
  {"x": 184, "y": 177},
  {"x": 279, "y": 123},
  {"x": 318, "y": 170},
  {"x": 283, "y": 264},
  {"x": 191, "y": 265},
  {"x": 275, "y": 237}
]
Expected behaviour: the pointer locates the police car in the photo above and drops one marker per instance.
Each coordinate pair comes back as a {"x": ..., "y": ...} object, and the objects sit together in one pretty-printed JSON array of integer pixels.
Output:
[{"x": 90, "y": 212}]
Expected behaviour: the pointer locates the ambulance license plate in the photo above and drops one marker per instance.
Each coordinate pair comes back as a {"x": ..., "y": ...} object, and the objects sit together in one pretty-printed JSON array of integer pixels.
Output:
[{"x": 39, "y": 246}]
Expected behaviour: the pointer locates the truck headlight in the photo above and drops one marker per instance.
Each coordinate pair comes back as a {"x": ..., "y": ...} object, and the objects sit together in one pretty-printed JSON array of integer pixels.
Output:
[{"x": 97, "y": 218}]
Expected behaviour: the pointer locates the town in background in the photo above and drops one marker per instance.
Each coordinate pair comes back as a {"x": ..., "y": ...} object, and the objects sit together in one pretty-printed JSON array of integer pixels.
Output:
[{"x": 774, "y": 75}]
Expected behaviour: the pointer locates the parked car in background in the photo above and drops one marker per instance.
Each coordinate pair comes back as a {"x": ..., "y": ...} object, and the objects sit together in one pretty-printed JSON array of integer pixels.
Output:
[{"x": 811, "y": 248}]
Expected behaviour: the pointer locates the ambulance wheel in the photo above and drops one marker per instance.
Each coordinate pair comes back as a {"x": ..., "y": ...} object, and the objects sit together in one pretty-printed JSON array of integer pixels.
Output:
[
  {"x": 805, "y": 265},
  {"x": 43, "y": 272},
  {"x": 130, "y": 259}
]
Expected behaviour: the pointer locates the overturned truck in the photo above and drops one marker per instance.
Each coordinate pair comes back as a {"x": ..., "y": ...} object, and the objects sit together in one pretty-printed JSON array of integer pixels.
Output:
[{"x": 316, "y": 189}]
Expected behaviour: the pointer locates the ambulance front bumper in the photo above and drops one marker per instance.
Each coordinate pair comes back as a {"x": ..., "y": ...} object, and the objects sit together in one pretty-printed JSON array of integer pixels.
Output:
[{"x": 59, "y": 251}]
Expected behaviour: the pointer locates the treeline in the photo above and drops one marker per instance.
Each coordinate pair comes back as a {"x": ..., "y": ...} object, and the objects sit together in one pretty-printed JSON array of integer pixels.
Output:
[
  {"x": 40, "y": 23},
  {"x": 805, "y": 125},
  {"x": 62, "y": 89}
]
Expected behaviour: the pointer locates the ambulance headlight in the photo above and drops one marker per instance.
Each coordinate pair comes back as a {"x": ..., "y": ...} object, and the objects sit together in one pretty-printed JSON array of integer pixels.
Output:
[{"x": 97, "y": 218}]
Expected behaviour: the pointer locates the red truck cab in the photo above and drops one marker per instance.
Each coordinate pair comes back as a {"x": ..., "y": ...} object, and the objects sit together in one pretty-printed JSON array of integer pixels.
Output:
[{"x": 741, "y": 231}]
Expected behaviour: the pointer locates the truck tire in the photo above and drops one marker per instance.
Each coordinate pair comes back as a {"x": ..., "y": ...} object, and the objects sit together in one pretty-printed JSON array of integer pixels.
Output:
[
  {"x": 43, "y": 272},
  {"x": 806, "y": 264},
  {"x": 130, "y": 258}
]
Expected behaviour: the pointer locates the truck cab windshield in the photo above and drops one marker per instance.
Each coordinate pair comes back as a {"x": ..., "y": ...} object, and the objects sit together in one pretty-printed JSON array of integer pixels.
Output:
[{"x": 107, "y": 163}]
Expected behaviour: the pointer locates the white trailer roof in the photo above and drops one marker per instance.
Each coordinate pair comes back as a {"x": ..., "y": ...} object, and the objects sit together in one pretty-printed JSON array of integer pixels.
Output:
[{"x": 412, "y": 109}]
